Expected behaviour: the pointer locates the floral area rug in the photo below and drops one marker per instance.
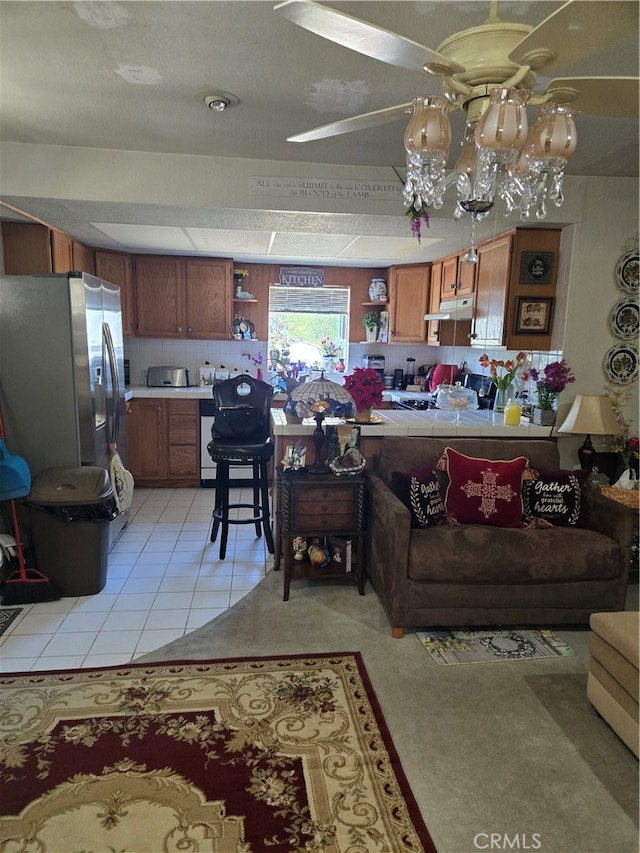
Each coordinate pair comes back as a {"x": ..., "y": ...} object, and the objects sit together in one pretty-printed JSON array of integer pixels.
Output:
[
  {"x": 7, "y": 616},
  {"x": 250, "y": 756},
  {"x": 453, "y": 647}
]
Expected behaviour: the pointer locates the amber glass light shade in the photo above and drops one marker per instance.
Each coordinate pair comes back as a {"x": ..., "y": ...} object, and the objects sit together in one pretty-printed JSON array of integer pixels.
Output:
[
  {"x": 503, "y": 126},
  {"x": 428, "y": 130},
  {"x": 554, "y": 133}
]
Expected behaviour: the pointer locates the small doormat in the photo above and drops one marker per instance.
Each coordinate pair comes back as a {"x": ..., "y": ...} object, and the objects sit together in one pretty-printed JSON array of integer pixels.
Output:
[
  {"x": 452, "y": 647},
  {"x": 7, "y": 616}
]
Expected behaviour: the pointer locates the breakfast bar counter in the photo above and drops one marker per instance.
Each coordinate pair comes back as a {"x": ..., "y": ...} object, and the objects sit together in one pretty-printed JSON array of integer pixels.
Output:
[
  {"x": 476, "y": 423},
  {"x": 405, "y": 422}
]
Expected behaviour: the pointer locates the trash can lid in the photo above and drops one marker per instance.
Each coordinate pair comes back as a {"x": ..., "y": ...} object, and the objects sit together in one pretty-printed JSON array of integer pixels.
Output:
[{"x": 68, "y": 486}]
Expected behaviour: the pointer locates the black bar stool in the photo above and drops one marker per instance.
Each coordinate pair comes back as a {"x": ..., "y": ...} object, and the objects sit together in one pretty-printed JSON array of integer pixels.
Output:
[{"x": 241, "y": 436}]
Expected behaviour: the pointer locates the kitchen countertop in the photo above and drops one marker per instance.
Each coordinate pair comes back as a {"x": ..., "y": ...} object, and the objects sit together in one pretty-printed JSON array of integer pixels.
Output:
[
  {"x": 394, "y": 421},
  {"x": 427, "y": 422}
]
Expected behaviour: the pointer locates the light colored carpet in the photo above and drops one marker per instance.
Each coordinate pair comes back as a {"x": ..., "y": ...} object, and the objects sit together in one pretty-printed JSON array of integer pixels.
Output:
[{"x": 514, "y": 750}]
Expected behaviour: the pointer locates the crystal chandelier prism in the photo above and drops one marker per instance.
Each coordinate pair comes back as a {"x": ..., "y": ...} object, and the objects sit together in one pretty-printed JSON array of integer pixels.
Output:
[{"x": 501, "y": 156}]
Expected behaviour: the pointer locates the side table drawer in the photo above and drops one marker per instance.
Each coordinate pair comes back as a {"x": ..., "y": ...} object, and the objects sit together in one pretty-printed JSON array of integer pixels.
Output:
[{"x": 337, "y": 516}]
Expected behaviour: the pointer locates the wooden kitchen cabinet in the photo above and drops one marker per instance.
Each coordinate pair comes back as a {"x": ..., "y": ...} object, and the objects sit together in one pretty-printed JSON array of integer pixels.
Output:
[
  {"x": 408, "y": 303},
  {"x": 33, "y": 248},
  {"x": 433, "y": 326},
  {"x": 458, "y": 278},
  {"x": 447, "y": 333},
  {"x": 492, "y": 277},
  {"x": 83, "y": 258},
  {"x": 501, "y": 282},
  {"x": 163, "y": 441},
  {"x": 183, "y": 297},
  {"x": 116, "y": 267},
  {"x": 209, "y": 284}
]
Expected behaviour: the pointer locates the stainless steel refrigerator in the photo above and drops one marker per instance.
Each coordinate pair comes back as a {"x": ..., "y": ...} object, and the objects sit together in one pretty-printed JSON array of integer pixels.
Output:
[{"x": 62, "y": 372}]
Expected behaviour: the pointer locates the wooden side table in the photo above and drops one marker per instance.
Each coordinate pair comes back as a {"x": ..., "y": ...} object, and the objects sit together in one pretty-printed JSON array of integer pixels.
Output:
[{"x": 315, "y": 506}]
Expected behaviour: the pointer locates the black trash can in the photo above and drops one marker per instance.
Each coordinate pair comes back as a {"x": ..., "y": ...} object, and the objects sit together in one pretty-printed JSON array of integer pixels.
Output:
[{"x": 71, "y": 512}]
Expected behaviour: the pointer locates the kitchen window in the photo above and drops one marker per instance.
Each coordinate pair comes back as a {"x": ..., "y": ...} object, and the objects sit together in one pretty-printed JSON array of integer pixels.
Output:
[{"x": 305, "y": 323}]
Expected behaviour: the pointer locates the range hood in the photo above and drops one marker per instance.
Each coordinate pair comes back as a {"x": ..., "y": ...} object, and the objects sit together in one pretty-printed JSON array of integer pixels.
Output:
[{"x": 453, "y": 309}]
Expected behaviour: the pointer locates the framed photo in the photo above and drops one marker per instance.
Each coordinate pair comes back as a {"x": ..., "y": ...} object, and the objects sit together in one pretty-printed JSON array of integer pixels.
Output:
[
  {"x": 533, "y": 315},
  {"x": 536, "y": 267}
]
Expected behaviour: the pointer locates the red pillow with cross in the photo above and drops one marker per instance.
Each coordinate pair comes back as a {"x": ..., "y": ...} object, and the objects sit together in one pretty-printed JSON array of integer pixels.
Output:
[{"x": 484, "y": 491}]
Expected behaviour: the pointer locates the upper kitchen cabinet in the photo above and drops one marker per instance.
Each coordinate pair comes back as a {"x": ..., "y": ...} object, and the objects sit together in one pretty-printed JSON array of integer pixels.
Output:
[
  {"x": 516, "y": 278},
  {"x": 208, "y": 284},
  {"x": 408, "y": 303},
  {"x": 183, "y": 297},
  {"x": 458, "y": 279},
  {"x": 83, "y": 258},
  {"x": 160, "y": 296},
  {"x": 116, "y": 267},
  {"x": 492, "y": 278},
  {"x": 30, "y": 247}
]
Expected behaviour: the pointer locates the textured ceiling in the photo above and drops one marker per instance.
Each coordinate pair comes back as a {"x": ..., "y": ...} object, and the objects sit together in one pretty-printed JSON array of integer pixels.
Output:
[{"x": 133, "y": 77}]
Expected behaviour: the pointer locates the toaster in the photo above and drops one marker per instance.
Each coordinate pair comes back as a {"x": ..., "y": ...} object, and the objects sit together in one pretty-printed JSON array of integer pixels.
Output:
[{"x": 167, "y": 377}]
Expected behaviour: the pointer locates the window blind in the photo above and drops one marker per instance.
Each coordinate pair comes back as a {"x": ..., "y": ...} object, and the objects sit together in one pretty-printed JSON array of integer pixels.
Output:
[{"x": 309, "y": 300}]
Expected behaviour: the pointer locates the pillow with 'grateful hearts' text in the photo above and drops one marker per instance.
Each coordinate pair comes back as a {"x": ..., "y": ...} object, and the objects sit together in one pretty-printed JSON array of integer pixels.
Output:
[{"x": 419, "y": 491}]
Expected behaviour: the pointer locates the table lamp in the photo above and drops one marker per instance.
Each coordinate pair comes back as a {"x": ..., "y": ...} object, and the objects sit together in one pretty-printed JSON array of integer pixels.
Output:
[
  {"x": 591, "y": 414},
  {"x": 320, "y": 398}
]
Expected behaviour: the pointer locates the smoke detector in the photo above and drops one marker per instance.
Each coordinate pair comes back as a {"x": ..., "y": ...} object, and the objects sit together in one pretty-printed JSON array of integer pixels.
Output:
[{"x": 220, "y": 101}]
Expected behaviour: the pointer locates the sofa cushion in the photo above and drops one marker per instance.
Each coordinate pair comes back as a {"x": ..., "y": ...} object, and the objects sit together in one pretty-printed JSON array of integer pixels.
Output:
[
  {"x": 484, "y": 491},
  {"x": 419, "y": 491},
  {"x": 477, "y": 555},
  {"x": 555, "y": 496}
]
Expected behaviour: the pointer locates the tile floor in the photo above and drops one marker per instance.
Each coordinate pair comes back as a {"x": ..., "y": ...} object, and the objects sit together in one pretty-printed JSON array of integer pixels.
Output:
[{"x": 164, "y": 579}]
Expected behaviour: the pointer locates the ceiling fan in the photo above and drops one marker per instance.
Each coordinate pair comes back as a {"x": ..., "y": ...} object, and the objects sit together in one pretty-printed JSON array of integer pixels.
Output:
[
  {"x": 497, "y": 53},
  {"x": 488, "y": 71}
]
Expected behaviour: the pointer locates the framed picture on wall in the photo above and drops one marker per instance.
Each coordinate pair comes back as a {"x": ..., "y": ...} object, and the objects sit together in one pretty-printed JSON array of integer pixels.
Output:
[
  {"x": 536, "y": 267},
  {"x": 533, "y": 315}
]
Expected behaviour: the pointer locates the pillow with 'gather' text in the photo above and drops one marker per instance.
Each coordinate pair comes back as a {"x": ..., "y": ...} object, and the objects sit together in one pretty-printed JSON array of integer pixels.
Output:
[
  {"x": 555, "y": 496},
  {"x": 484, "y": 491},
  {"x": 419, "y": 491}
]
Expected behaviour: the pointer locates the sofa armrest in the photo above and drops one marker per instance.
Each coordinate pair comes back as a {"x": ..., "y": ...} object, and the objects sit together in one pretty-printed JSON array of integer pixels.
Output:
[
  {"x": 610, "y": 518},
  {"x": 389, "y": 532}
]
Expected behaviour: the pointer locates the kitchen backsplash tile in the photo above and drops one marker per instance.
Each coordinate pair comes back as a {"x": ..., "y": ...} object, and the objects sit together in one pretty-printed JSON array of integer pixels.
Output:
[{"x": 143, "y": 353}]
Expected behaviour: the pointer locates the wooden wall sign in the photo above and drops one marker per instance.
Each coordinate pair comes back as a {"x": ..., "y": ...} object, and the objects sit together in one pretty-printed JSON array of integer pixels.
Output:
[{"x": 301, "y": 277}]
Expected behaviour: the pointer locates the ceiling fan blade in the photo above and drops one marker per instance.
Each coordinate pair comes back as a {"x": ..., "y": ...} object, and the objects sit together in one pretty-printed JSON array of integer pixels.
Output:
[
  {"x": 576, "y": 30},
  {"x": 348, "y": 125},
  {"x": 363, "y": 37},
  {"x": 604, "y": 96}
]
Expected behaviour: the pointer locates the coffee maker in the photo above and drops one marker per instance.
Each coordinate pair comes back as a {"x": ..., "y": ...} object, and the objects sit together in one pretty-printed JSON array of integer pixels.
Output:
[{"x": 376, "y": 362}]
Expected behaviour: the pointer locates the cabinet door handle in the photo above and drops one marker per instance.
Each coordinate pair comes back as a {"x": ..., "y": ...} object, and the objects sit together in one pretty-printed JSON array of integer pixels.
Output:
[{"x": 179, "y": 329}]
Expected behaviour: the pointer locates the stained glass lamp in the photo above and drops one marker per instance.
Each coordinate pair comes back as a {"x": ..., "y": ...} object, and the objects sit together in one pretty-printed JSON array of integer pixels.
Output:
[{"x": 318, "y": 399}]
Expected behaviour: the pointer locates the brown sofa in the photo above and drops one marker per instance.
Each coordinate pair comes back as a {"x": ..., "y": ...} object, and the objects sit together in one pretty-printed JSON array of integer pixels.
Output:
[{"x": 476, "y": 574}]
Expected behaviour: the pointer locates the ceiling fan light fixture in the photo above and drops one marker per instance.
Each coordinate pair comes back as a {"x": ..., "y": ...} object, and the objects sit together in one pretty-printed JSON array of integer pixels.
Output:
[{"x": 501, "y": 157}]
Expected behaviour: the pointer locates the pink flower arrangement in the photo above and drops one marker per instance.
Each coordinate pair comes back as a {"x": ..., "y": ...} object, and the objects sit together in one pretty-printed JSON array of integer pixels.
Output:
[
  {"x": 365, "y": 386},
  {"x": 553, "y": 379}
]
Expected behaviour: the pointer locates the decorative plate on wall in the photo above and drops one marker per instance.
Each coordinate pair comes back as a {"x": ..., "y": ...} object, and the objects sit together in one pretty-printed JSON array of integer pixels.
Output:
[
  {"x": 625, "y": 318},
  {"x": 621, "y": 364},
  {"x": 628, "y": 272}
]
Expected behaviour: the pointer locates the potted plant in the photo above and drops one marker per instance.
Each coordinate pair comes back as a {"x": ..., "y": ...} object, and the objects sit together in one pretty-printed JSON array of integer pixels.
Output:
[
  {"x": 371, "y": 323},
  {"x": 549, "y": 383},
  {"x": 366, "y": 387}
]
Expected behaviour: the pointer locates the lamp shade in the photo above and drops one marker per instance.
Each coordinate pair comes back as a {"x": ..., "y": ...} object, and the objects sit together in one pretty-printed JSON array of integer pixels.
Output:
[
  {"x": 591, "y": 414},
  {"x": 320, "y": 396}
]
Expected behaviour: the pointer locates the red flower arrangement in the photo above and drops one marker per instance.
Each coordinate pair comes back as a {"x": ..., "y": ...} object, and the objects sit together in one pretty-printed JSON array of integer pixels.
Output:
[{"x": 365, "y": 386}]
